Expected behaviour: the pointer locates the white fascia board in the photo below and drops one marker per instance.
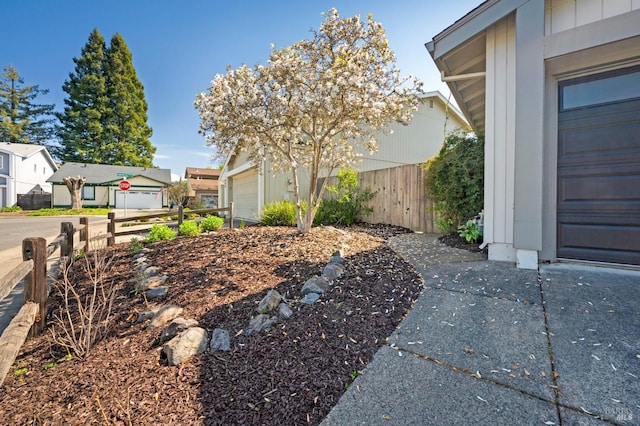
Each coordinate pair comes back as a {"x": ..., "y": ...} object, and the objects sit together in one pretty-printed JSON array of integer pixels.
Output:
[
  {"x": 243, "y": 168},
  {"x": 471, "y": 24}
]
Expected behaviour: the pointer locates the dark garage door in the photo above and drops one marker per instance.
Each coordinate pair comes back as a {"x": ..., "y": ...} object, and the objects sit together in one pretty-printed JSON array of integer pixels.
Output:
[{"x": 598, "y": 210}]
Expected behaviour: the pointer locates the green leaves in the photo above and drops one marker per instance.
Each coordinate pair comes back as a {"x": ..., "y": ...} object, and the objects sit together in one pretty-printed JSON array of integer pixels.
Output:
[{"x": 455, "y": 180}]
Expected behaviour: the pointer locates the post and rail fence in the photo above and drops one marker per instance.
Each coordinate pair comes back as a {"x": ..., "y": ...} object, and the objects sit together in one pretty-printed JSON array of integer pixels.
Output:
[{"x": 30, "y": 320}]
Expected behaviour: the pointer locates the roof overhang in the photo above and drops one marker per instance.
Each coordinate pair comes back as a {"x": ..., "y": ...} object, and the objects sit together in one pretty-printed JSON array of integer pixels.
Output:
[{"x": 460, "y": 54}]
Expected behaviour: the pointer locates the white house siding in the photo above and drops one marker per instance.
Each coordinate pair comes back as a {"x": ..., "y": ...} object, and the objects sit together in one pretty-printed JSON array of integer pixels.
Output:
[
  {"x": 244, "y": 194},
  {"x": 500, "y": 139},
  {"x": 562, "y": 15}
]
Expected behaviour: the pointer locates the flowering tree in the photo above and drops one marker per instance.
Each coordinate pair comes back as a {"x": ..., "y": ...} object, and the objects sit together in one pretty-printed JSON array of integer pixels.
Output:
[{"x": 312, "y": 105}]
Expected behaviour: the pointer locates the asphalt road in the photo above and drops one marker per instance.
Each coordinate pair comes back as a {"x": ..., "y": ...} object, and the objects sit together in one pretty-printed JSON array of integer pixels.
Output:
[{"x": 13, "y": 229}]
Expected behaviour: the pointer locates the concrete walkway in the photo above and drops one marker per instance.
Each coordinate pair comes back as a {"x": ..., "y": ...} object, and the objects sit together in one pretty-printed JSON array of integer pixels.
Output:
[{"x": 488, "y": 344}]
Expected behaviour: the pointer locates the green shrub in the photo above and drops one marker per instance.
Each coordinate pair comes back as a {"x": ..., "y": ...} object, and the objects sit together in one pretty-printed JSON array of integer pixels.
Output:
[
  {"x": 279, "y": 213},
  {"x": 212, "y": 223},
  {"x": 469, "y": 231},
  {"x": 136, "y": 245},
  {"x": 347, "y": 202},
  {"x": 160, "y": 233},
  {"x": 454, "y": 180},
  {"x": 11, "y": 209},
  {"x": 189, "y": 229}
]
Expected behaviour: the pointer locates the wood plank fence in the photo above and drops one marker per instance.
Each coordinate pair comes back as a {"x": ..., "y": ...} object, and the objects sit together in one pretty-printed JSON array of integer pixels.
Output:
[
  {"x": 400, "y": 198},
  {"x": 31, "y": 319}
]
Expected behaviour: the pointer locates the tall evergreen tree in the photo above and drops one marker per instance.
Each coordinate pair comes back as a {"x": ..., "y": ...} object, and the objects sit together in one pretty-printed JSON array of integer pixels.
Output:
[
  {"x": 21, "y": 119},
  {"x": 81, "y": 131},
  {"x": 126, "y": 127},
  {"x": 105, "y": 117}
]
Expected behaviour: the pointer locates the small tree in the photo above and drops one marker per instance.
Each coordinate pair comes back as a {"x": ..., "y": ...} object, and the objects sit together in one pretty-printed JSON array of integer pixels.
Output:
[
  {"x": 312, "y": 105},
  {"x": 178, "y": 192},
  {"x": 455, "y": 180},
  {"x": 74, "y": 185}
]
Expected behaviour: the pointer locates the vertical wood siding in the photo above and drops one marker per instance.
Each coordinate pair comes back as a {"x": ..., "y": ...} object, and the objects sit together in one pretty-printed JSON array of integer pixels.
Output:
[{"x": 567, "y": 14}]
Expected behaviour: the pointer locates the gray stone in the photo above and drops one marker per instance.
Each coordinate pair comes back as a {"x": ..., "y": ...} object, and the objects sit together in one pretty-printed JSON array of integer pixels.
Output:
[
  {"x": 337, "y": 257},
  {"x": 150, "y": 282},
  {"x": 164, "y": 315},
  {"x": 142, "y": 266},
  {"x": 310, "y": 298},
  {"x": 148, "y": 314},
  {"x": 151, "y": 271},
  {"x": 260, "y": 322},
  {"x": 157, "y": 292},
  {"x": 138, "y": 259},
  {"x": 175, "y": 327},
  {"x": 333, "y": 271},
  {"x": 220, "y": 340},
  {"x": 269, "y": 302},
  {"x": 284, "y": 311},
  {"x": 192, "y": 341},
  {"x": 316, "y": 285}
]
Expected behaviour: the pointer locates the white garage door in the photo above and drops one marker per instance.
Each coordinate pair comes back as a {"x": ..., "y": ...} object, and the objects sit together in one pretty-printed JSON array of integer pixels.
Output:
[
  {"x": 139, "y": 200},
  {"x": 244, "y": 194}
]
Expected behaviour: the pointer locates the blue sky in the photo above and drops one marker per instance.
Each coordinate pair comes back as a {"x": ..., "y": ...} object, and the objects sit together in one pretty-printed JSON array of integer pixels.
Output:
[{"x": 179, "y": 46}]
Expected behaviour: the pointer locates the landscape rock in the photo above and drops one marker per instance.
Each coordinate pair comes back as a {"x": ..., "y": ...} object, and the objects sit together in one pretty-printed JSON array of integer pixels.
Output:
[
  {"x": 269, "y": 302},
  {"x": 164, "y": 315},
  {"x": 284, "y": 311},
  {"x": 315, "y": 285},
  {"x": 220, "y": 340},
  {"x": 333, "y": 271},
  {"x": 192, "y": 341},
  {"x": 310, "y": 298},
  {"x": 142, "y": 266},
  {"x": 337, "y": 257},
  {"x": 175, "y": 327},
  {"x": 148, "y": 314},
  {"x": 150, "y": 282},
  {"x": 151, "y": 271},
  {"x": 139, "y": 258},
  {"x": 260, "y": 322},
  {"x": 157, "y": 292}
]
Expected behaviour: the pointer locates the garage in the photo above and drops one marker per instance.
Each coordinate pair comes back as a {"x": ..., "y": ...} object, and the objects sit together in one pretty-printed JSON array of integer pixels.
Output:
[
  {"x": 244, "y": 194},
  {"x": 138, "y": 199},
  {"x": 598, "y": 204}
]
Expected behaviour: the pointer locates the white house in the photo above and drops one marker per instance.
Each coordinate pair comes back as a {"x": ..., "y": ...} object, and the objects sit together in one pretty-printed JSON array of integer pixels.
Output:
[
  {"x": 251, "y": 186},
  {"x": 102, "y": 186},
  {"x": 22, "y": 168},
  {"x": 554, "y": 85}
]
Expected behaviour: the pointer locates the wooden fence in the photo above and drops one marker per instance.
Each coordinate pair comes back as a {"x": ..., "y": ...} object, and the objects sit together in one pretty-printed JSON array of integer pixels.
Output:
[
  {"x": 31, "y": 319},
  {"x": 400, "y": 197},
  {"x": 181, "y": 213}
]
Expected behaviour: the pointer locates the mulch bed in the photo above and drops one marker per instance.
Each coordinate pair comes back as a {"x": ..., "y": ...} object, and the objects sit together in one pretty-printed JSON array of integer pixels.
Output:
[
  {"x": 456, "y": 241},
  {"x": 292, "y": 374}
]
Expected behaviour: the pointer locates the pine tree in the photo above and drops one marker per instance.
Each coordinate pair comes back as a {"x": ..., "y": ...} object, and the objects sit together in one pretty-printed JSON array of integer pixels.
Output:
[
  {"x": 22, "y": 120},
  {"x": 126, "y": 126},
  {"x": 81, "y": 131},
  {"x": 105, "y": 117}
]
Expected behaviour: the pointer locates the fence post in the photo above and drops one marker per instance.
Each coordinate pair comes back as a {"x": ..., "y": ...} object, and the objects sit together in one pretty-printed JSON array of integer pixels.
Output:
[
  {"x": 180, "y": 213},
  {"x": 111, "y": 229},
  {"x": 35, "y": 282},
  {"x": 66, "y": 249},
  {"x": 84, "y": 233},
  {"x": 231, "y": 215}
]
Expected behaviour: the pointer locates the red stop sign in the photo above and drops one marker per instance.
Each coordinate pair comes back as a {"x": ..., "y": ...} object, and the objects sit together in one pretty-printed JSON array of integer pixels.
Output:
[{"x": 125, "y": 185}]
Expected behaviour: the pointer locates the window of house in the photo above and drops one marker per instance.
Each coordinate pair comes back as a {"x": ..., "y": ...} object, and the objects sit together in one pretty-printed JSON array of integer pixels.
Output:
[
  {"x": 600, "y": 89},
  {"x": 88, "y": 192}
]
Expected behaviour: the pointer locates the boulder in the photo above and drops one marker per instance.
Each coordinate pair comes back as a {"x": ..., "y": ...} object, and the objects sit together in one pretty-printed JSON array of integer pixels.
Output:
[
  {"x": 333, "y": 271},
  {"x": 164, "y": 315},
  {"x": 284, "y": 311},
  {"x": 337, "y": 257},
  {"x": 175, "y": 327},
  {"x": 220, "y": 340},
  {"x": 151, "y": 271},
  {"x": 315, "y": 285},
  {"x": 157, "y": 292},
  {"x": 269, "y": 302},
  {"x": 192, "y": 341},
  {"x": 148, "y": 314},
  {"x": 310, "y": 298},
  {"x": 260, "y": 322},
  {"x": 145, "y": 284}
]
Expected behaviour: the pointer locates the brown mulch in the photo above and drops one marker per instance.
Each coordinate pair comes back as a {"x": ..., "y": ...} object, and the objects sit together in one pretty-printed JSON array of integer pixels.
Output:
[
  {"x": 456, "y": 241},
  {"x": 292, "y": 374}
]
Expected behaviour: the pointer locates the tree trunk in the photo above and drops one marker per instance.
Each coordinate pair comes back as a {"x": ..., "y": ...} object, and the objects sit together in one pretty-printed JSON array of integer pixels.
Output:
[{"x": 74, "y": 185}]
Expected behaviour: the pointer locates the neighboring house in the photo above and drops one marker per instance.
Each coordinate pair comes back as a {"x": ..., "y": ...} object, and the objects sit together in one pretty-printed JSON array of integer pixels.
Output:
[
  {"x": 23, "y": 169},
  {"x": 251, "y": 186},
  {"x": 148, "y": 186},
  {"x": 555, "y": 87},
  {"x": 202, "y": 185}
]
